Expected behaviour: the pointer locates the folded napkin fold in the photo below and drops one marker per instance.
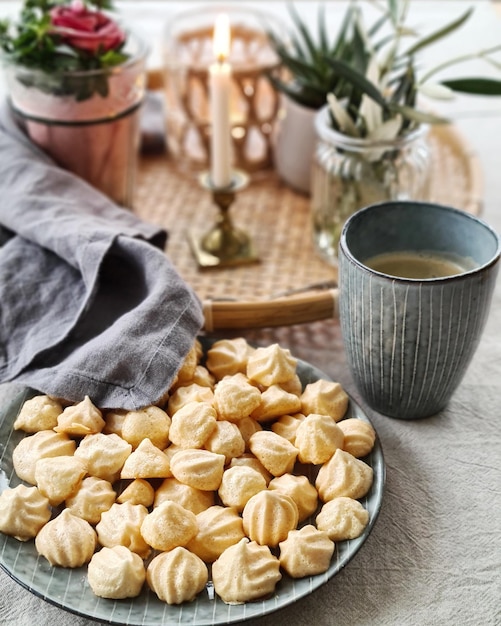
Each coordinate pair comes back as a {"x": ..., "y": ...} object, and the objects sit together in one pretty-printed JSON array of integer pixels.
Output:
[{"x": 89, "y": 302}]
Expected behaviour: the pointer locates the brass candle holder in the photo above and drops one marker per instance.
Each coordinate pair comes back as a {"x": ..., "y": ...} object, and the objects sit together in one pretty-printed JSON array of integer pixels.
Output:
[{"x": 223, "y": 245}]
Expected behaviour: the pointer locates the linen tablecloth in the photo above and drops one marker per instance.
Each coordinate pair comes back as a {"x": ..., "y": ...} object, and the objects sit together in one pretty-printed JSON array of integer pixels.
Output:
[{"x": 89, "y": 302}]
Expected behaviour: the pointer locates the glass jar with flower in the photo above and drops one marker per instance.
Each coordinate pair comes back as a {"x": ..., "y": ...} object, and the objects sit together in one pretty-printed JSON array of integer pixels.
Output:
[{"x": 76, "y": 81}]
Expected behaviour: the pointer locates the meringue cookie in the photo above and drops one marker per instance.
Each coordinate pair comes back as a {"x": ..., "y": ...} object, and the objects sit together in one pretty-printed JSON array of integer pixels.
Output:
[
  {"x": 268, "y": 516},
  {"x": 177, "y": 576},
  {"x": 306, "y": 552},
  {"x": 343, "y": 475},
  {"x": 116, "y": 573},
  {"x": 23, "y": 512},
  {"x": 67, "y": 540},
  {"x": 80, "y": 419},
  {"x": 244, "y": 572},
  {"x": 342, "y": 518},
  {"x": 38, "y": 413}
]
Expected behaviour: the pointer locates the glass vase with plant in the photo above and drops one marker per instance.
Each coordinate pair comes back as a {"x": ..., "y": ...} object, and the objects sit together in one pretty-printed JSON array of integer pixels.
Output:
[
  {"x": 372, "y": 127},
  {"x": 76, "y": 78},
  {"x": 303, "y": 78}
]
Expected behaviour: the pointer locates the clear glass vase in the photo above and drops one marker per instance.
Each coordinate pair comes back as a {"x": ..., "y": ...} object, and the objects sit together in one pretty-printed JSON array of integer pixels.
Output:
[
  {"x": 254, "y": 104},
  {"x": 87, "y": 121},
  {"x": 350, "y": 173}
]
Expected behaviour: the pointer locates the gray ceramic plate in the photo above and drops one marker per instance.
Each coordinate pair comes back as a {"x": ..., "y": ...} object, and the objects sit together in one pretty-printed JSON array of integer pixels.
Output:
[{"x": 69, "y": 589}]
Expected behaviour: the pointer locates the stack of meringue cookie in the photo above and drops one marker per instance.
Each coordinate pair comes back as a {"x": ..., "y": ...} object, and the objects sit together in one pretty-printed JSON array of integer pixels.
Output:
[{"x": 238, "y": 469}]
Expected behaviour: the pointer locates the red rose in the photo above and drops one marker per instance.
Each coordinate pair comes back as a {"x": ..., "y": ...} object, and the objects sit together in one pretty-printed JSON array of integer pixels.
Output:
[{"x": 84, "y": 29}]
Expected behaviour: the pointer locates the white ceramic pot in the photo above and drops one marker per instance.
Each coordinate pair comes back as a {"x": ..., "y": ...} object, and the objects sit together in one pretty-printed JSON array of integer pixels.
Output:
[{"x": 294, "y": 144}]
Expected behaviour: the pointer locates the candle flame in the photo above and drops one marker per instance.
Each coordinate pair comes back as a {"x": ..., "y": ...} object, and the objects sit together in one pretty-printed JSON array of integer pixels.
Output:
[{"x": 221, "y": 40}]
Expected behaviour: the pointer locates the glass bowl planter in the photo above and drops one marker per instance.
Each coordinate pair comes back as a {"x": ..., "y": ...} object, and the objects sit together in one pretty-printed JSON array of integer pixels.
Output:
[{"x": 87, "y": 121}]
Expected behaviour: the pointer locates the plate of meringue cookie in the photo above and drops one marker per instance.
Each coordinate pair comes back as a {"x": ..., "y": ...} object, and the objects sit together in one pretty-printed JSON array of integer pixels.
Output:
[{"x": 255, "y": 480}]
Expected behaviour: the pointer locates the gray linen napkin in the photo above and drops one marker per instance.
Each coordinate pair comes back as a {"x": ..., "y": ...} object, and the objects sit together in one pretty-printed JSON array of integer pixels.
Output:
[{"x": 89, "y": 303}]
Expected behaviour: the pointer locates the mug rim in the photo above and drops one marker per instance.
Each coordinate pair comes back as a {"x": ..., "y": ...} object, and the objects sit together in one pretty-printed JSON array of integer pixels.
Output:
[{"x": 343, "y": 244}]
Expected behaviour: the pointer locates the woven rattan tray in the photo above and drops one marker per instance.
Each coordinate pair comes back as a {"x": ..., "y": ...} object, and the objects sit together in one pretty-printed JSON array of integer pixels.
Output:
[{"x": 290, "y": 284}]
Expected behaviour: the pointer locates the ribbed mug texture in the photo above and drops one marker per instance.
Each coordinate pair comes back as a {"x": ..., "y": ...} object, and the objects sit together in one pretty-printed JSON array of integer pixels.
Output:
[{"x": 409, "y": 342}]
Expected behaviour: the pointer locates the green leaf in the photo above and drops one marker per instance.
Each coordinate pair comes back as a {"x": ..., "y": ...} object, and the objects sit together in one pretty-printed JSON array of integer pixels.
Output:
[
  {"x": 475, "y": 86},
  {"x": 437, "y": 91},
  {"x": 293, "y": 46},
  {"x": 440, "y": 33},
  {"x": 393, "y": 11},
  {"x": 102, "y": 4},
  {"x": 305, "y": 96},
  {"x": 388, "y": 131},
  {"x": 101, "y": 86},
  {"x": 359, "y": 81},
  {"x": 403, "y": 86},
  {"x": 379, "y": 23},
  {"x": 322, "y": 30},
  {"x": 301, "y": 27},
  {"x": 343, "y": 39},
  {"x": 301, "y": 67},
  {"x": 343, "y": 121},
  {"x": 421, "y": 117},
  {"x": 360, "y": 46},
  {"x": 112, "y": 58}
]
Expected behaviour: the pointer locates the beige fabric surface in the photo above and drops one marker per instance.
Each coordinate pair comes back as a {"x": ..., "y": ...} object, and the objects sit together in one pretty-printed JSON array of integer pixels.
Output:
[{"x": 434, "y": 555}]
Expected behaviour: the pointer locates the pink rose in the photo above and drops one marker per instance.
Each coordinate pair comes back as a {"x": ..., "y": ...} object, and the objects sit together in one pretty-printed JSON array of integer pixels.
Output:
[{"x": 84, "y": 29}]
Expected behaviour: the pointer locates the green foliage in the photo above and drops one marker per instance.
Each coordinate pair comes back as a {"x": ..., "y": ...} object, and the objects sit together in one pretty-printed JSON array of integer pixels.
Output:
[
  {"x": 310, "y": 75},
  {"x": 31, "y": 44},
  {"x": 478, "y": 86},
  {"x": 371, "y": 73}
]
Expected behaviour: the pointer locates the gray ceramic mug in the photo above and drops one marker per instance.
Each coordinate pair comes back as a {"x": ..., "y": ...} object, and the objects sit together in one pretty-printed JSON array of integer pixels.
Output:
[{"x": 410, "y": 341}]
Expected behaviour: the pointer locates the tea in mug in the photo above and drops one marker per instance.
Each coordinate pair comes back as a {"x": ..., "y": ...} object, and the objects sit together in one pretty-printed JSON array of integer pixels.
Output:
[{"x": 418, "y": 265}]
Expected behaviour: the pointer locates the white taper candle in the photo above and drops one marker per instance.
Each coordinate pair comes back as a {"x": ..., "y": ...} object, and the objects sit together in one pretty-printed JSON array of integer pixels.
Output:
[{"x": 220, "y": 88}]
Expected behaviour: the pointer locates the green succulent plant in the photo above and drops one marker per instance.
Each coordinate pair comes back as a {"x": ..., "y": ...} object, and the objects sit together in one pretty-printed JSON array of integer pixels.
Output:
[
  {"x": 309, "y": 75},
  {"x": 370, "y": 75}
]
